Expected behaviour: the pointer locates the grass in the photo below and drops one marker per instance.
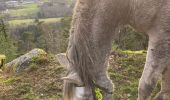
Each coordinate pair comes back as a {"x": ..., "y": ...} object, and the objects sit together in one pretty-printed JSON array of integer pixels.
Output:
[
  {"x": 11, "y": 80},
  {"x": 125, "y": 71},
  {"x": 42, "y": 81},
  {"x": 134, "y": 52},
  {"x": 29, "y": 9},
  {"x": 31, "y": 21}
]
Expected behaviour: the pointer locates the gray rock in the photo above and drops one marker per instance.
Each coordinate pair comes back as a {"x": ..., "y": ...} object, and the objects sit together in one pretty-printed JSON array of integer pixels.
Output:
[{"x": 22, "y": 62}]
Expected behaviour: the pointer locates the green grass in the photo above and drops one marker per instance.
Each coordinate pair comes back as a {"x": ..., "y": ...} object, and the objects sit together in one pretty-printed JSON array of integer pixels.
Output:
[
  {"x": 31, "y": 21},
  {"x": 134, "y": 52},
  {"x": 11, "y": 80},
  {"x": 40, "y": 82},
  {"x": 48, "y": 20},
  {"x": 125, "y": 71},
  {"x": 29, "y": 9},
  {"x": 19, "y": 22}
]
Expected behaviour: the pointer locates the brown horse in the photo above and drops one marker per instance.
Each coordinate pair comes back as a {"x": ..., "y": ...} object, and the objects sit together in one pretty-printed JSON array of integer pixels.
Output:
[{"x": 94, "y": 24}]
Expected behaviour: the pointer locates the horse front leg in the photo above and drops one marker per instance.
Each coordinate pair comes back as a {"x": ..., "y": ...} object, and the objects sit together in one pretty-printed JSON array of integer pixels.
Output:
[
  {"x": 156, "y": 62},
  {"x": 103, "y": 46},
  {"x": 106, "y": 86}
]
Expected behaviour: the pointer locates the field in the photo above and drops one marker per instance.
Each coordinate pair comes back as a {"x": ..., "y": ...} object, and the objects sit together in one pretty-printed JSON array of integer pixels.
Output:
[
  {"x": 25, "y": 10},
  {"x": 28, "y": 10},
  {"x": 31, "y": 21}
]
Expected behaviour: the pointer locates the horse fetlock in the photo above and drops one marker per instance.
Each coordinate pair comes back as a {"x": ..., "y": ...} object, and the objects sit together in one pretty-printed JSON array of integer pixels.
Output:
[
  {"x": 107, "y": 97},
  {"x": 109, "y": 88}
]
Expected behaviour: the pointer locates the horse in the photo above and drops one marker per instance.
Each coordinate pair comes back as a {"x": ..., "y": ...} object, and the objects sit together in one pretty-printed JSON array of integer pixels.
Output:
[{"x": 93, "y": 27}]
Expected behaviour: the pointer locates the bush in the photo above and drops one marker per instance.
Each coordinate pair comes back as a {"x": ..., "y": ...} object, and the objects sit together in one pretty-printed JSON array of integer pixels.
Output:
[
  {"x": 7, "y": 46},
  {"x": 129, "y": 39}
]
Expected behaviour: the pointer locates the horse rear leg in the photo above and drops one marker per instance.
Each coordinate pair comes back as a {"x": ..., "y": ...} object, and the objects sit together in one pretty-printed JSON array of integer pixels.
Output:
[
  {"x": 156, "y": 62},
  {"x": 164, "y": 94}
]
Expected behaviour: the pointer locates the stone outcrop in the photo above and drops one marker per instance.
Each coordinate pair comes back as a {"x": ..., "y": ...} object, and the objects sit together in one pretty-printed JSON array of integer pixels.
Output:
[{"x": 22, "y": 62}]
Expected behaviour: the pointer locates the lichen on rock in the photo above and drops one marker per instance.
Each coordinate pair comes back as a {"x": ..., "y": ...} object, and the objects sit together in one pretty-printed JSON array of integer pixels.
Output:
[{"x": 22, "y": 62}]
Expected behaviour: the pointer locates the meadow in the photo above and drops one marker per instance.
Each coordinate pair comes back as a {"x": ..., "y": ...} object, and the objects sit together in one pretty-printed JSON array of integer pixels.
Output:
[
  {"x": 25, "y": 10},
  {"x": 31, "y": 21}
]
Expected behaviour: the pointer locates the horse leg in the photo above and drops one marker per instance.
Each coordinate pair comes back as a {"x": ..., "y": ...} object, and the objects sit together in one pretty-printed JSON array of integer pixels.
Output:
[
  {"x": 156, "y": 62},
  {"x": 102, "y": 80},
  {"x": 164, "y": 94},
  {"x": 106, "y": 83}
]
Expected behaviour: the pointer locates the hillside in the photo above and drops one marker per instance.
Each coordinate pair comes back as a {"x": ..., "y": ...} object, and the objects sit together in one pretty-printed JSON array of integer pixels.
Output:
[
  {"x": 21, "y": 22},
  {"x": 41, "y": 81},
  {"x": 26, "y": 9}
]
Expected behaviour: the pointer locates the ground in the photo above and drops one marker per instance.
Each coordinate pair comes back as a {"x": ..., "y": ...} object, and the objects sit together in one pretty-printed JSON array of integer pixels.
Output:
[
  {"x": 125, "y": 71},
  {"x": 41, "y": 81}
]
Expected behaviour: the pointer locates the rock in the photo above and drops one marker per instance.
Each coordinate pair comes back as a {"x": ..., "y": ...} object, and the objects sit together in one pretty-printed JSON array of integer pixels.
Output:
[{"x": 22, "y": 62}]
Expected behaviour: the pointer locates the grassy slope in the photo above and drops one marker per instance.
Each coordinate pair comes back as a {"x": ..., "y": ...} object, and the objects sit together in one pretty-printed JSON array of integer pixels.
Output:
[
  {"x": 30, "y": 21},
  {"x": 26, "y": 10},
  {"x": 42, "y": 80},
  {"x": 125, "y": 70}
]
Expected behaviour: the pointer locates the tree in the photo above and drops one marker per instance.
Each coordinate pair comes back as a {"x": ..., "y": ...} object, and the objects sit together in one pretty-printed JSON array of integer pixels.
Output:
[
  {"x": 6, "y": 45},
  {"x": 128, "y": 39},
  {"x": 27, "y": 40},
  {"x": 3, "y": 29}
]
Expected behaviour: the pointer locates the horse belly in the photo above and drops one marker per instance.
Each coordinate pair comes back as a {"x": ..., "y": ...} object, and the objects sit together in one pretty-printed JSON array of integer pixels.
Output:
[{"x": 146, "y": 13}]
